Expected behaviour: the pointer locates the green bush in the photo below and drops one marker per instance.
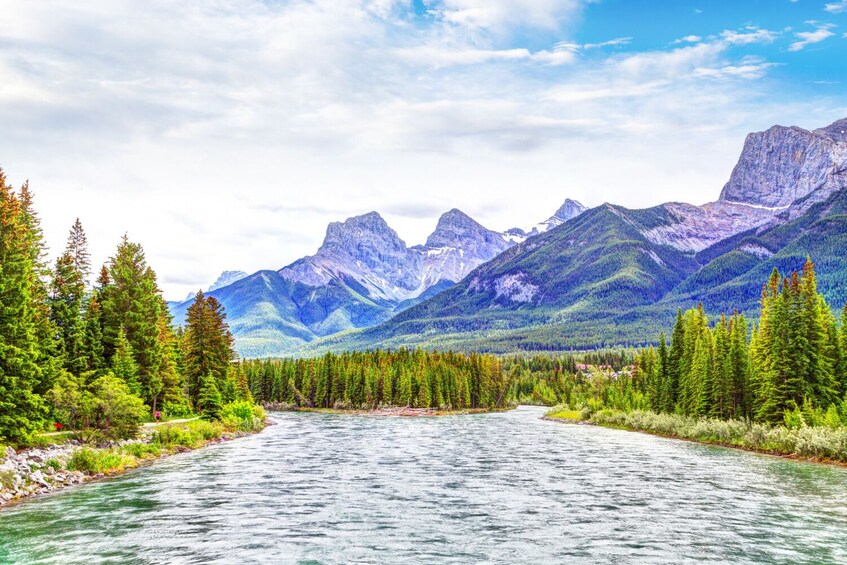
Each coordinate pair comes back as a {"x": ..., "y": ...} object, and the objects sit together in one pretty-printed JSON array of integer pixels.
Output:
[
  {"x": 177, "y": 410},
  {"x": 117, "y": 412},
  {"x": 90, "y": 460},
  {"x": 803, "y": 440},
  {"x": 142, "y": 450},
  {"x": 7, "y": 480},
  {"x": 242, "y": 415},
  {"x": 54, "y": 463},
  {"x": 190, "y": 434}
]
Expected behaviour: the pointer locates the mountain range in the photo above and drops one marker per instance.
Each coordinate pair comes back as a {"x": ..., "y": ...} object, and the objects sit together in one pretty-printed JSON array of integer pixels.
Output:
[
  {"x": 362, "y": 275},
  {"x": 582, "y": 279}
]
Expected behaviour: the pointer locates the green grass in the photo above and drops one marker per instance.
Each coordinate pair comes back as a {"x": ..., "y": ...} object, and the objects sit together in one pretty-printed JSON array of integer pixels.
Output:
[
  {"x": 142, "y": 450},
  {"x": 564, "y": 414},
  {"x": 189, "y": 434},
  {"x": 54, "y": 463},
  {"x": 6, "y": 479},
  {"x": 90, "y": 460},
  {"x": 819, "y": 442}
]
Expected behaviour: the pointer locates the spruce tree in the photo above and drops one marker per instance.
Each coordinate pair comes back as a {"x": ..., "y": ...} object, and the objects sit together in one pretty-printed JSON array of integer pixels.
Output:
[
  {"x": 124, "y": 366},
  {"x": 662, "y": 400},
  {"x": 67, "y": 301},
  {"x": 92, "y": 343},
  {"x": 671, "y": 396},
  {"x": 21, "y": 408},
  {"x": 209, "y": 400},
  {"x": 207, "y": 346},
  {"x": 130, "y": 297}
]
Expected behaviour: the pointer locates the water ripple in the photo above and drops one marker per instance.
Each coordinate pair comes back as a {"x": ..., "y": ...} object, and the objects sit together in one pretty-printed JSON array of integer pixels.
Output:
[{"x": 495, "y": 488}]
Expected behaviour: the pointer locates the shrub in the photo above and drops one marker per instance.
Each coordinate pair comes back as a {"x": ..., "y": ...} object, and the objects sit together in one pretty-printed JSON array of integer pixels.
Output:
[
  {"x": 7, "y": 480},
  {"x": 54, "y": 463},
  {"x": 142, "y": 450},
  {"x": 98, "y": 460},
  {"x": 177, "y": 410},
  {"x": 803, "y": 440},
  {"x": 191, "y": 434},
  {"x": 242, "y": 415},
  {"x": 117, "y": 412}
]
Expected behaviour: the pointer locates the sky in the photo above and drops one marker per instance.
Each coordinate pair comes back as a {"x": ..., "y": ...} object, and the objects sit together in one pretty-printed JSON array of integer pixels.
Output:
[{"x": 226, "y": 134}]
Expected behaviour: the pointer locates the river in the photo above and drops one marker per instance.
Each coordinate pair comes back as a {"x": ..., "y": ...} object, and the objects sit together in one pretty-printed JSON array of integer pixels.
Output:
[{"x": 494, "y": 488}]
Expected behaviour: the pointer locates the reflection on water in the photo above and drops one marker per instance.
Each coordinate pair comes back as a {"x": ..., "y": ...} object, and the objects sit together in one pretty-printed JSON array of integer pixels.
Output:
[{"x": 502, "y": 488}]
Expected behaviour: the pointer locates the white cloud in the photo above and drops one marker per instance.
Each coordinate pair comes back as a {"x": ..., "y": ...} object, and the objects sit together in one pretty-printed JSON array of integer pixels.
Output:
[
  {"x": 748, "y": 36},
  {"x": 499, "y": 15},
  {"x": 836, "y": 7},
  {"x": 822, "y": 32},
  {"x": 689, "y": 39},
  {"x": 228, "y": 134}
]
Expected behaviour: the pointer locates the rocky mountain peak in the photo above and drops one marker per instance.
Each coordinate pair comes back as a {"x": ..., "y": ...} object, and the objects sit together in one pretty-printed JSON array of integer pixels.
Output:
[
  {"x": 779, "y": 166},
  {"x": 454, "y": 228},
  {"x": 570, "y": 209},
  {"x": 836, "y": 131},
  {"x": 226, "y": 279},
  {"x": 367, "y": 230}
]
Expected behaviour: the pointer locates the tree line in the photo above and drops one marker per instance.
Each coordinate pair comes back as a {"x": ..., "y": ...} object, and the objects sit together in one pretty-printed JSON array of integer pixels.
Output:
[
  {"x": 370, "y": 379},
  {"x": 792, "y": 361},
  {"x": 70, "y": 351}
]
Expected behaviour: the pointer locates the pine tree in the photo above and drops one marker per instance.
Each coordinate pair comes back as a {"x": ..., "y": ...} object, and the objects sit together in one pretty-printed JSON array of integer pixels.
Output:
[
  {"x": 45, "y": 333},
  {"x": 843, "y": 368},
  {"x": 207, "y": 345},
  {"x": 209, "y": 399},
  {"x": 661, "y": 393},
  {"x": 21, "y": 408},
  {"x": 67, "y": 301},
  {"x": 92, "y": 342},
  {"x": 130, "y": 297},
  {"x": 739, "y": 367},
  {"x": 123, "y": 363},
  {"x": 671, "y": 396}
]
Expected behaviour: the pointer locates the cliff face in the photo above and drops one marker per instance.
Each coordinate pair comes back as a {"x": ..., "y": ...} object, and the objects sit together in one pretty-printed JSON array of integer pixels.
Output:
[
  {"x": 785, "y": 164},
  {"x": 781, "y": 173}
]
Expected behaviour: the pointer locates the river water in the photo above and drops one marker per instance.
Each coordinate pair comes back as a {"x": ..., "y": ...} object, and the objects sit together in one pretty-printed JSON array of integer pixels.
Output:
[{"x": 493, "y": 488}]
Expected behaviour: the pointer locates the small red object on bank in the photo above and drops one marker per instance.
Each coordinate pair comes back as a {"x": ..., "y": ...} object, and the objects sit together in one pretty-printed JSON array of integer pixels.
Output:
[{"x": 58, "y": 426}]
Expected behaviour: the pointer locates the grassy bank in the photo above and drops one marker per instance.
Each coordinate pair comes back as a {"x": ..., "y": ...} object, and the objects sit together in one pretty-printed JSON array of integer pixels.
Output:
[
  {"x": 818, "y": 443},
  {"x": 46, "y": 469}
]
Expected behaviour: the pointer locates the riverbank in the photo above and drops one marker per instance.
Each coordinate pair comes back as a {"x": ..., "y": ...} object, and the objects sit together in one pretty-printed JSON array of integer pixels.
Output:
[
  {"x": 387, "y": 411},
  {"x": 813, "y": 444},
  {"x": 43, "y": 470}
]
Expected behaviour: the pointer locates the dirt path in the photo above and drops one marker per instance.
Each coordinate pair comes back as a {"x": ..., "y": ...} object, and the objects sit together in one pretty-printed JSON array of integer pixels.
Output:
[{"x": 144, "y": 425}]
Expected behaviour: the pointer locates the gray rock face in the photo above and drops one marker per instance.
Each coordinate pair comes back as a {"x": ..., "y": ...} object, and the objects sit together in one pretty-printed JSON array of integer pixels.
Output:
[
  {"x": 458, "y": 245},
  {"x": 227, "y": 278},
  {"x": 366, "y": 250},
  {"x": 784, "y": 164},
  {"x": 780, "y": 174}
]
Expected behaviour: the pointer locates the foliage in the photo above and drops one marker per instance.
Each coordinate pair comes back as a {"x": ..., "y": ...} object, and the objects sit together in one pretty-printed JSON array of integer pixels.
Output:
[
  {"x": 805, "y": 441},
  {"x": 207, "y": 344},
  {"x": 115, "y": 411},
  {"x": 242, "y": 415},
  {"x": 189, "y": 434},
  {"x": 90, "y": 460},
  {"x": 21, "y": 345},
  {"x": 53, "y": 463},
  {"x": 209, "y": 401},
  {"x": 370, "y": 379},
  {"x": 177, "y": 410},
  {"x": 97, "y": 358},
  {"x": 142, "y": 450}
]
